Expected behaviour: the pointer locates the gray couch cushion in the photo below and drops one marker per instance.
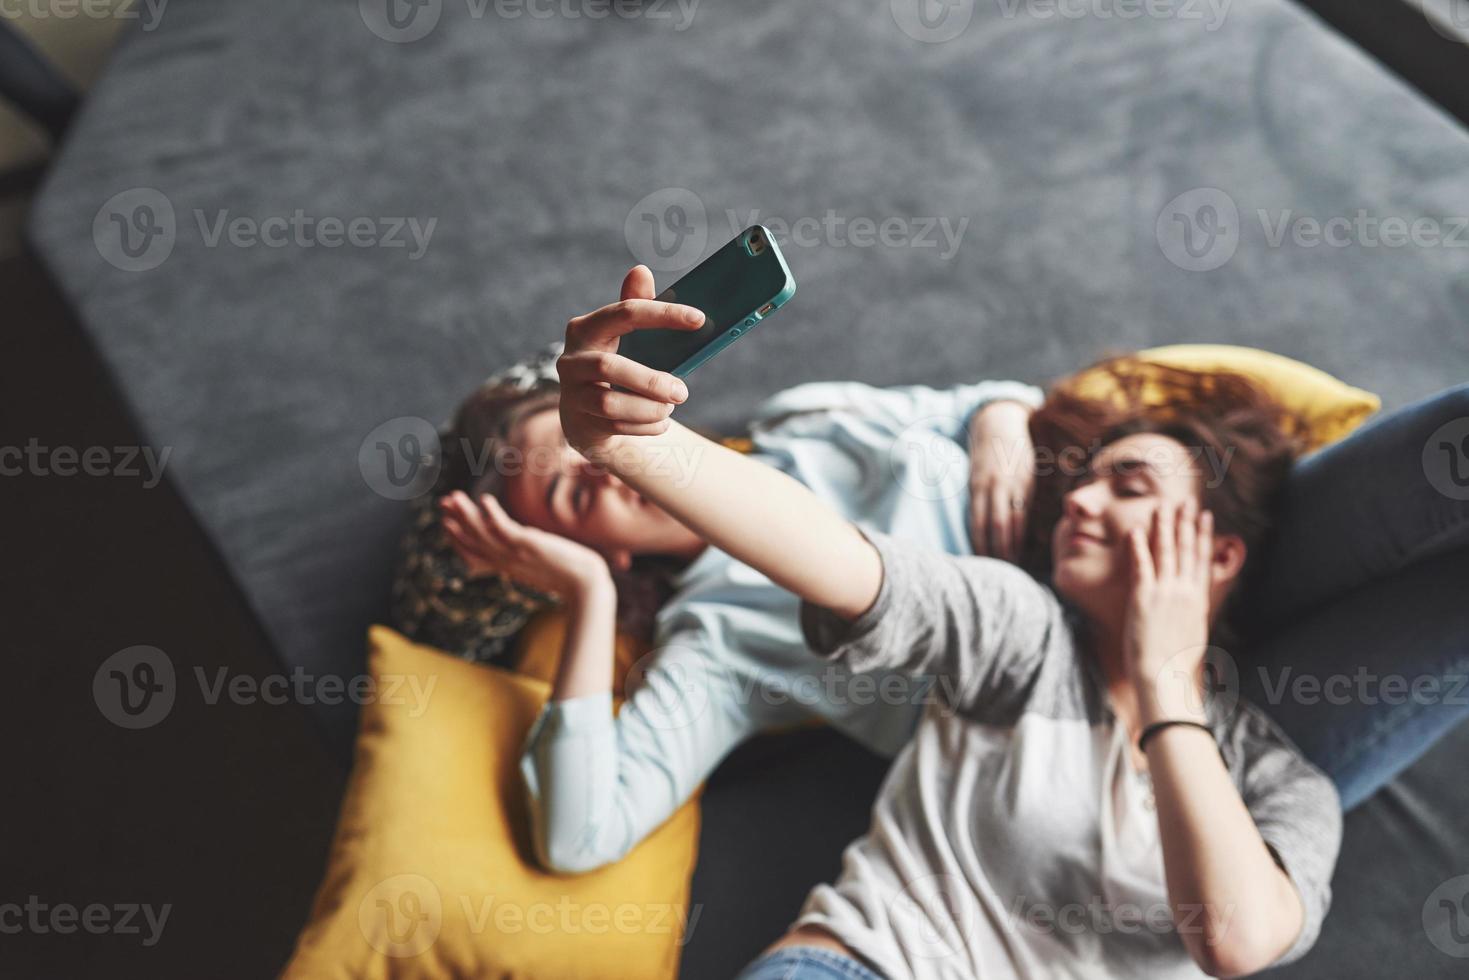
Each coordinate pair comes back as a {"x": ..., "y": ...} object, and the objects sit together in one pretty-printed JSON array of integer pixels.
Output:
[
  {"x": 526, "y": 148},
  {"x": 1108, "y": 175}
]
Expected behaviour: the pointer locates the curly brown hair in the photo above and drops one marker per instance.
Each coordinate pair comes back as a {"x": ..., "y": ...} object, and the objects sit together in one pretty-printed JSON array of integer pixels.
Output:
[
  {"x": 483, "y": 424},
  {"x": 1225, "y": 416}
]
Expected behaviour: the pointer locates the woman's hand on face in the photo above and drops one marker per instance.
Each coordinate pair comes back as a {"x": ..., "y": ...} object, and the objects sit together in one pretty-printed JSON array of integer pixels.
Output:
[
  {"x": 1001, "y": 479},
  {"x": 490, "y": 541},
  {"x": 604, "y": 394},
  {"x": 1167, "y": 620}
]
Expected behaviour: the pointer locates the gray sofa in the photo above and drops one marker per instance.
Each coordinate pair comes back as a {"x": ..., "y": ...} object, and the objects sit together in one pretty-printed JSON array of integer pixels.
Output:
[{"x": 1007, "y": 195}]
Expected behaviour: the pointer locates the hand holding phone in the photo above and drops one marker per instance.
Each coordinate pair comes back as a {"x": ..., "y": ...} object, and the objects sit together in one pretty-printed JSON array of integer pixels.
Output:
[
  {"x": 736, "y": 288},
  {"x": 603, "y": 393},
  {"x": 756, "y": 513}
]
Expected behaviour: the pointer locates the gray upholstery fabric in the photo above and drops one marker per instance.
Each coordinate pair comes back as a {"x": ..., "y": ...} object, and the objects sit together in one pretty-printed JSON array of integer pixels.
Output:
[{"x": 536, "y": 145}]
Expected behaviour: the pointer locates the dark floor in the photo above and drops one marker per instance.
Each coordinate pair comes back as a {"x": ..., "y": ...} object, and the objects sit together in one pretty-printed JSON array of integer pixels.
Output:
[
  {"x": 221, "y": 813},
  {"x": 1396, "y": 33}
]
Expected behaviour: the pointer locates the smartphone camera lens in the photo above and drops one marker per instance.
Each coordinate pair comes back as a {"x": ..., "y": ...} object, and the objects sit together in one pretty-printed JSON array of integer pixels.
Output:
[{"x": 756, "y": 242}]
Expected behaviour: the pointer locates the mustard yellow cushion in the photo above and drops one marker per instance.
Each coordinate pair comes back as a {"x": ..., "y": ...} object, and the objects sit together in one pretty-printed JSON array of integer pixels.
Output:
[
  {"x": 1324, "y": 409},
  {"x": 539, "y": 651},
  {"x": 431, "y": 873}
]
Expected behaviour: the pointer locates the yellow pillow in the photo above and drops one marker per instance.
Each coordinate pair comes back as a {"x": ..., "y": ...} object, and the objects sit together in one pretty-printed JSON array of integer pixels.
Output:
[
  {"x": 431, "y": 874},
  {"x": 539, "y": 650},
  {"x": 1324, "y": 408}
]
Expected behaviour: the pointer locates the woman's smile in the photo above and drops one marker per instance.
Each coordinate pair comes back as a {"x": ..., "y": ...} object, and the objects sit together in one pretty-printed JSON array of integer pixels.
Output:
[{"x": 1079, "y": 536}]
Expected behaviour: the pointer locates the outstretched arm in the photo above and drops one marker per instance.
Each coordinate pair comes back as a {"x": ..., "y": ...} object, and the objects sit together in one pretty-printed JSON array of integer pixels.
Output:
[{"x": 616, "y": 412}]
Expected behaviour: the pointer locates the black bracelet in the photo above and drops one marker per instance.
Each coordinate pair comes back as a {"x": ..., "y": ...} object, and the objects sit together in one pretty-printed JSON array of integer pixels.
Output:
[{"x": 1158, "y": 726}]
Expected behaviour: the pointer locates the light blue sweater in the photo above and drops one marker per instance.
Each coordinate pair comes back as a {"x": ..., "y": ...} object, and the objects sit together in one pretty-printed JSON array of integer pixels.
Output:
[{"x": 728, "y": 659}]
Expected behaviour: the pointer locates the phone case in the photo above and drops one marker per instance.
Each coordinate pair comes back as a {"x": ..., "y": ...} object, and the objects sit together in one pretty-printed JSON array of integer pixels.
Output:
[{"x": 737, "y": 287}]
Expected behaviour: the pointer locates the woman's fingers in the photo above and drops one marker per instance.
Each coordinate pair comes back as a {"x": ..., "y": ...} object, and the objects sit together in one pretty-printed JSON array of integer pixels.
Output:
[
  {"x": 1142, "y": 559},
  {"x": 615, "y": 406},
  {"x": 465, "y": 545},
  {"x": 638, "y": 283},
  {"x": 999, "y": 521},
  {"x": 979, "y": 519},
  {"x": 474, "y": 519},
  {"x": 589, "y": 369},
  {"x": 639, "y": 428},
  {"x": 1020, "y": 501},
  {"x": 510, "y": 532},
  {"x": 997, "y": 514},
  {"x": 980, "y": 496},
  {"x": 1174, "y": 517},
  {"x": 1187, "y": 537},
  {"x": 450, "y": 509},
  {"x": 460, "y": 538},
  {"x": 602, "y": 428},
  {"x": 600, "y": 328},
  {"x": 642, "y": 409},
  {"x": 497, "y": 517},
  {"x": 605, "y": 395},
  {"x": 1205, "y": 547},
  {"x": 1163, "y": 529}
]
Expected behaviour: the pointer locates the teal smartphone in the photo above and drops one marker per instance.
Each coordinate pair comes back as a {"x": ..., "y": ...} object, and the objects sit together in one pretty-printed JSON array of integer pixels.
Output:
[{"x": 737, "y": 287}]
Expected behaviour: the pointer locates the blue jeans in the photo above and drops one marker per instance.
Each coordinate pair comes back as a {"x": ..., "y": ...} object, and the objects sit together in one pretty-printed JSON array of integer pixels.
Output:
[
  {"x": 1362, "y": 604},
  {"x": 806, "y": 963}
]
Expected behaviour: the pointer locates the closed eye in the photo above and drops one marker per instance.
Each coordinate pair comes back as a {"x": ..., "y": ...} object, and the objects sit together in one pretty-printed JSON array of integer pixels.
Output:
[{"x": 552, "y": 496}]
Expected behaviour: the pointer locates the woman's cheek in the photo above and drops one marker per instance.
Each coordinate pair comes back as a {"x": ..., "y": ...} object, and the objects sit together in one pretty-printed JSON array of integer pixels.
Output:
[
  {"x": 616, "y": 527},
  {"x": 1137, "y": 514},
  {"x": 1118, "y": 553}
]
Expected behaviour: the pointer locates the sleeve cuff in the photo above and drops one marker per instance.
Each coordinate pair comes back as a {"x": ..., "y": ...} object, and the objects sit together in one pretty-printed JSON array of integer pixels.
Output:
[
  {"x": 989, "y": 392},
  {"x": 829, "y": 635},
  {"x": 1014, "y": 391},
  {"x": 1312, "y": 914},
  {"x": 589, "y": 714}
]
